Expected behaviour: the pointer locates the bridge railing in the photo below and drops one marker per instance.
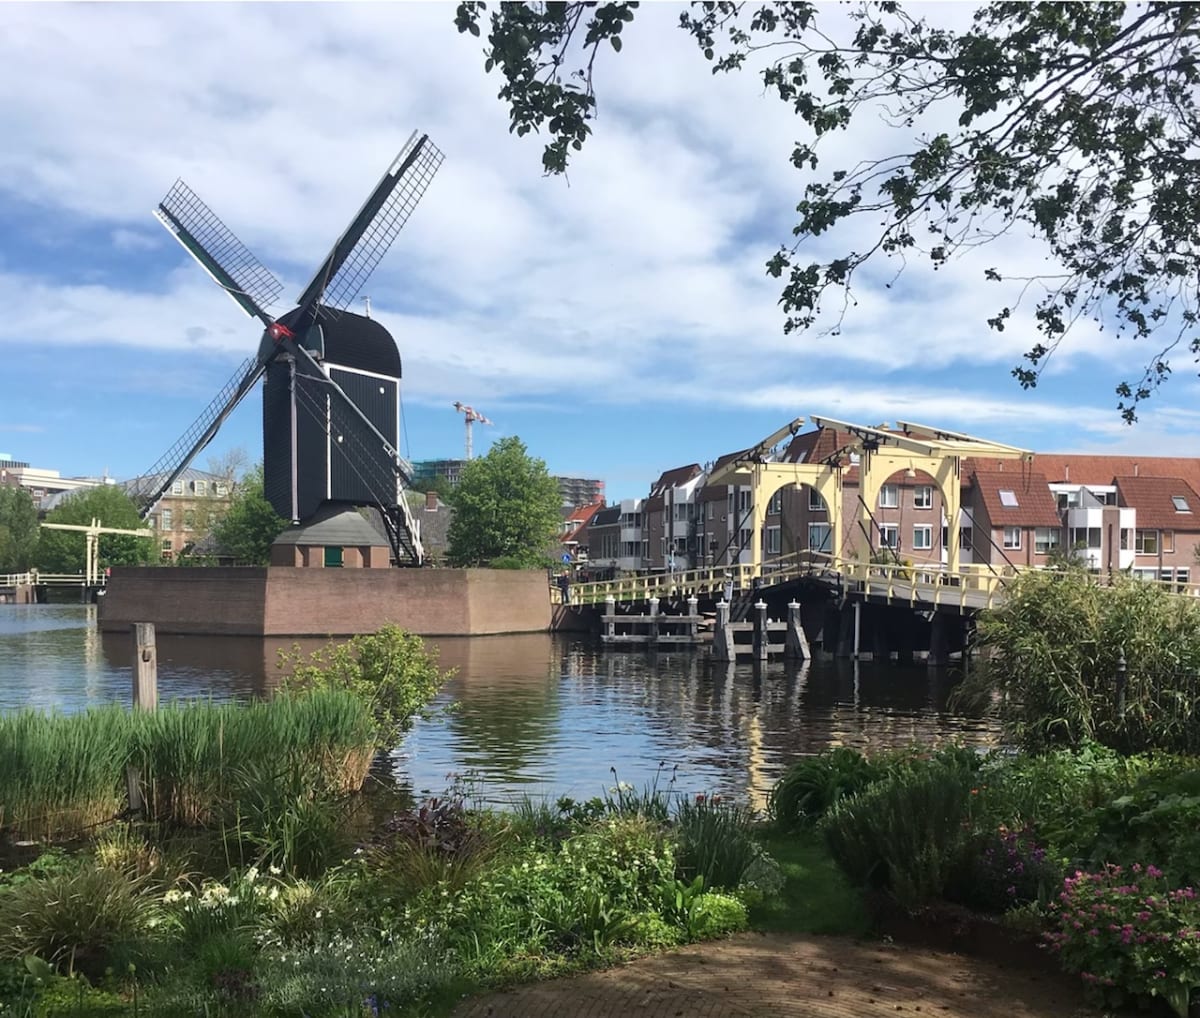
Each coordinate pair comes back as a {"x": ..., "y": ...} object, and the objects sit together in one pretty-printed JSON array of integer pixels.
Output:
[{"x": 35, "y": 578}]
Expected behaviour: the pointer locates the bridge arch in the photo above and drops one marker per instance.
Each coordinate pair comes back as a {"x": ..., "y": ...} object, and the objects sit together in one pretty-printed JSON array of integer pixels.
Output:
[{"x": 877, "y": 468}]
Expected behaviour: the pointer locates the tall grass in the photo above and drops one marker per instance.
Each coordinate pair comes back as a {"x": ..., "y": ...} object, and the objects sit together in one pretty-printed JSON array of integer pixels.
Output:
[
  {"x": 197, "y": 758},
  {"x": 61, "y": 774}
]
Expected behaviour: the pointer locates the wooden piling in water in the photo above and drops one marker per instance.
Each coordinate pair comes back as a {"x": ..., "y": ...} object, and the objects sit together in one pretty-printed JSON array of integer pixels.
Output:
[{"x": 145, "y": 697}]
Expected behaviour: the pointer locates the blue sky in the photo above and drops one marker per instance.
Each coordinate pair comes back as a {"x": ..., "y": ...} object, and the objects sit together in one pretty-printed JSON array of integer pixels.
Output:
[{"x": 618, "y": 320}]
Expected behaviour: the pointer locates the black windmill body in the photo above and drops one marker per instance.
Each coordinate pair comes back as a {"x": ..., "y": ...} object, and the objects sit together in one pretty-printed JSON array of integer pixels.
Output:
[{"x": 331, "y": 392}]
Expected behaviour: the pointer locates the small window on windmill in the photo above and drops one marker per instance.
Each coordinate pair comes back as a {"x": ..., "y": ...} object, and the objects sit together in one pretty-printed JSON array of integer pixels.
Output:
[{"x": 314, "y": 341}]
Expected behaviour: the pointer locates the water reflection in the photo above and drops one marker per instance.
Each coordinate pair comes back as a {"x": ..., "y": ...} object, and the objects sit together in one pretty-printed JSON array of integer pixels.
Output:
[{"x": 533, "y": 713}]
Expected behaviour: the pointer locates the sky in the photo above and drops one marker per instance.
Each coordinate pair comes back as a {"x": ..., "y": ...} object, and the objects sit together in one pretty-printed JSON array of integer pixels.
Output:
[{"x": 619, "y": 319}]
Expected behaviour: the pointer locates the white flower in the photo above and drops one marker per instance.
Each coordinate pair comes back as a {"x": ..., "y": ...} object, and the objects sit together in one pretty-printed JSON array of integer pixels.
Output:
[
  {"x": 251, "y": 874},
  {"x": 274, "y": 893},
  {"x": 275, "y": 870}
]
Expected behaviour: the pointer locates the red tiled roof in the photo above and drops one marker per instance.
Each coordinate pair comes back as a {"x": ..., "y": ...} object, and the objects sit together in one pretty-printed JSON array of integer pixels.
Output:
[
  {"x": 814, "y": 446},
  {"x": 1152, "y": 498},
  {"x": 581, "y": 517},
  {"x": 1072, "y": 468},
  {"x": 1036, "y": 505}
]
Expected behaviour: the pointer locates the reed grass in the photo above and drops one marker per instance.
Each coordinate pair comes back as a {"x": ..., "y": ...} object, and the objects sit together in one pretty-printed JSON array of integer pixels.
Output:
[{"x": 61, "y": 774}]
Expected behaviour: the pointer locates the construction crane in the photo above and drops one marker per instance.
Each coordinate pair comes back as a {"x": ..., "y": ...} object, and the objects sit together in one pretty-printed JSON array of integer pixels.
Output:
[{"x": 471, "y": 415}]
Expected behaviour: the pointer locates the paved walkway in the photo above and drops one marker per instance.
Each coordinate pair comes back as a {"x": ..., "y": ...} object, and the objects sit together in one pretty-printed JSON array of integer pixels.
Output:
[{"x": 756, "y": 976}]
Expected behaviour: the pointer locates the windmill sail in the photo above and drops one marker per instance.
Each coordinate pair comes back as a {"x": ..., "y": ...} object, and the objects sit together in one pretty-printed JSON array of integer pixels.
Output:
[
  {"x": 341, "y": 277},
  {"x": 156, "y": 482},
  {"x": 225, "y": 258}
]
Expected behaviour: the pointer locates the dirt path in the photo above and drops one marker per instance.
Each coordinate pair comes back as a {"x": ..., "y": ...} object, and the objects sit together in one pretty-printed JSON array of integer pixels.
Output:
[{"x": 755, "y": 975}]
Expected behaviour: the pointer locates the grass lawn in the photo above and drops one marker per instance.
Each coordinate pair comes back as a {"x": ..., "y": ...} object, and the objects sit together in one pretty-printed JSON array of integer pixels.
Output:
[{"x": 815, "y": 896}]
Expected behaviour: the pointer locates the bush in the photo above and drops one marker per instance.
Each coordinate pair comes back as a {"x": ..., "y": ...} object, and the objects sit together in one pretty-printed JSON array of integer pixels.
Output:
[
  {"x": 714, "y": 841},
  {"x": 390, "y": 670},
  {"x": 1129, "y": 933},
  {"x": 75, "y": 918},
  {"x": 717, "y": 915},
  {"x": 432, "y": 845},
  {"x": 909, "y": 833},
  {"x": 812, "y": 786},
  {"x": 1055, "y": 646}
]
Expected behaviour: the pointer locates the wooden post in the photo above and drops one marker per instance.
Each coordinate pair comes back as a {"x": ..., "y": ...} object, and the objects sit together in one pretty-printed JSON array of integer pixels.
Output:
[
  {"x": 653, "y": 621},
  {"x": 796, "y": 644},
  {"x": 857, "y": 627},
  {"x": 722, "y": 645},
  {"x": 610, "y": 618},
  {"x": 145, "y": 667},
  {"x": 145, "y": 697},
  {"x": 939, "y": 650},
  {"x": 761, "y": 635},
  {"x": 693, "y": 604}
]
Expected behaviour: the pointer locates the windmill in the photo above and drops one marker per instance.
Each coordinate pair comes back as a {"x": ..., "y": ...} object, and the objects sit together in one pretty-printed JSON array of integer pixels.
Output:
[
  {"x": 470, "y": 415},
  {"x": 332, "y": 378}
]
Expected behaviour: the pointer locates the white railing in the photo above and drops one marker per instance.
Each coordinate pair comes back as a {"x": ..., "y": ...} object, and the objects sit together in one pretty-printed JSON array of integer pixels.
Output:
[{"x": 36, "y": 578}]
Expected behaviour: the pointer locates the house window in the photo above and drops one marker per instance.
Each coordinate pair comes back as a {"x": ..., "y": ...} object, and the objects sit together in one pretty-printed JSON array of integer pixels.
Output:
[
  {"x": 333, "y": 557},
  {"x": 1145, "y": 542},
  {"x": 1181, "y": 504},
  {"x": 202, "y": 487},
  {"x": 889, "y": 497},
  {"x": 775, "y": 506},
  {"x": 922, "y": 538},
  {"x": 166, "y": 545},
  {"x": 220, "y": 488},
  {"x": 1008, "y": 498},
  {"x": 662, "y": 546},
  {"x": 166, "y": 519},
  {"x": 773, "y": 540},
  {"x": 732, "y": 500},
  {"x": 177, "y": 488},
  {"x": 1012, "y": 538},
  {"x": 819, "y": 538},
  {"x": 889, "y": 536},
  {"x": 964, "y": 538},
  {"x": 1045, "y": 540},
  {"x": 1084, "y": 537},
  {"x": 189, "y": 519},
  {"x": 816, "y": 504},
  {"x": 743, "y": 501},
  {"x": 744, "y": 538},
  {"x": 710, "y": 509},
  {"x": 1168, "y": 540},
  {"x": 923, "y": 496},
  {"x": 1126, "y": 538}
]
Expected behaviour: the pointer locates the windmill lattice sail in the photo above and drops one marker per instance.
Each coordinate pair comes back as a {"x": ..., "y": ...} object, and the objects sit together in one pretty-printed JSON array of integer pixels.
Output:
[{"x": 230, "y": 263}]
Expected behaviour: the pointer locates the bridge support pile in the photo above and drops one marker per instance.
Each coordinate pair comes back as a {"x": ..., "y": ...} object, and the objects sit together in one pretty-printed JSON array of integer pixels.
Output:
[{"x": 767, "y": 639}]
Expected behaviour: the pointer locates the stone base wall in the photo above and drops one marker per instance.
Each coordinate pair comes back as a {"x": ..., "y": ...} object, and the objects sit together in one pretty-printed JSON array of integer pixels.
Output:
[{"x": 283, "y": 601}]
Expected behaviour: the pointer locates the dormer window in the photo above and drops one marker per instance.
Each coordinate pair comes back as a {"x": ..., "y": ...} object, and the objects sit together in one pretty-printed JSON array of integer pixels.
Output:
[
  {"x": 1181, "y": 504},
  {"x": 1008, "y": 498}
]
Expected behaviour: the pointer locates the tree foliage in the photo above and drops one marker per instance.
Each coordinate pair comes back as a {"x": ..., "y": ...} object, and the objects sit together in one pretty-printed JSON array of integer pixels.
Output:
[
  {"x": 506, "y": 506},
  {"x": 250, "y": 524},
  {"x": 65, "y": 551},
  {"x": 18, "y": 530},
  {"x": 1075, "y": 123},
  {"x": 391, "y": 671}
]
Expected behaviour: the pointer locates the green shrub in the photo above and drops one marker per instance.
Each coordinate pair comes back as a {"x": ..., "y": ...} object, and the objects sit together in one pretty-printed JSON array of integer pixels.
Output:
[
  {"x": 75, "y": 919},
  {"x": 1054, "y": 650},
  {"x": 812, "y": 786},
  {"x": 909, "y": 832},
  {"x": 391, "y": 671},
  {"x": 715, "y": 841},
  {"x": 717, "y": 915}
]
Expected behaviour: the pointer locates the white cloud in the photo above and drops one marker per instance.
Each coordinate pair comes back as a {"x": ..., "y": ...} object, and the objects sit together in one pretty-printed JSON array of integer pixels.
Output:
[{"x": 638, "y": 279}]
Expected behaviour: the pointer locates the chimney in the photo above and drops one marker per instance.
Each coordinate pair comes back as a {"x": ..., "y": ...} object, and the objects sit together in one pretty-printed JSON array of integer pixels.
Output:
[
  {"x": 431, "y": 500},
  {"x": 1066, "y": 471},
  {"x": 1135, "y": 470}
]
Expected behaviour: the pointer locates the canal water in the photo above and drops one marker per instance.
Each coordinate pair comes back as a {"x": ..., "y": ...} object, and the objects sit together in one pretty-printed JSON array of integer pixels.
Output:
[{"x": 534, "y": 713}]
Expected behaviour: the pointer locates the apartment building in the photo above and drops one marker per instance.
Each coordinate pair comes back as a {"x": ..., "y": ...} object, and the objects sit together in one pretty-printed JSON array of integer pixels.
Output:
[
  {"x": 188, "y": 511},
  {"x": 669, "y": 519},
  {"x": 615, "y": 540}
]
